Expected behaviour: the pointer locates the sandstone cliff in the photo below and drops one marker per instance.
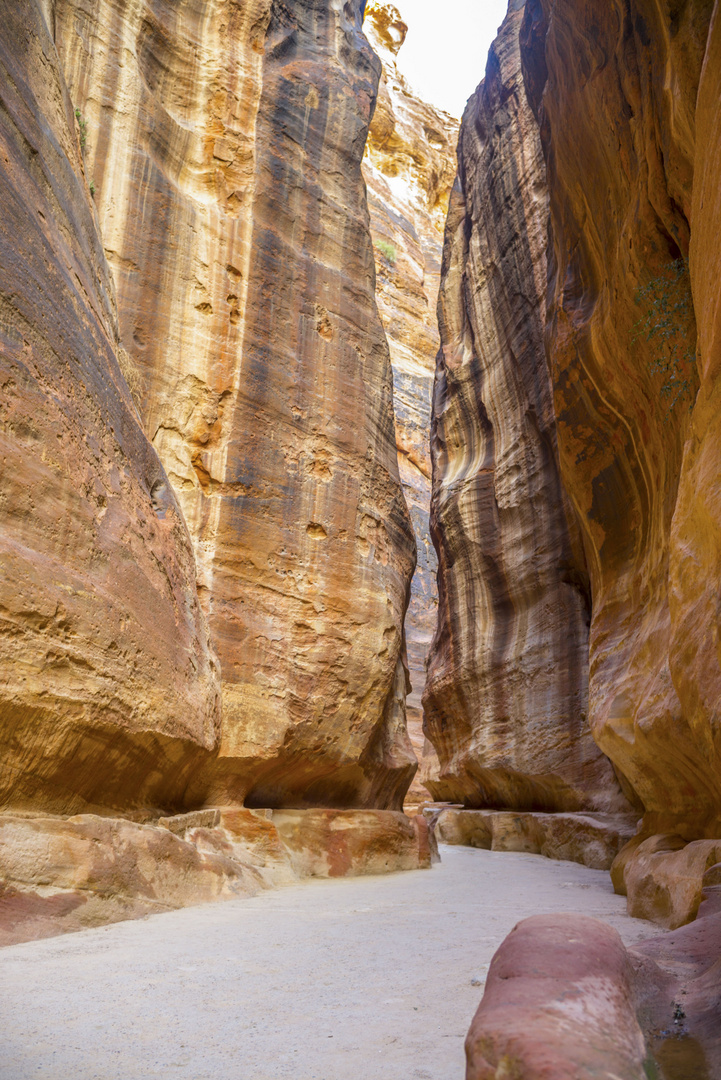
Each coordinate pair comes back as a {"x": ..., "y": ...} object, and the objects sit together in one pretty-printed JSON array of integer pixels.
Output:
[
  {"x": 629, "y": 115},
  {"x": 224, "y": 144},
  {"x": 109, "y": 692},
  {"x": 626, "y": 102},
  {"x": 506, "y": 699},
  {"x": 409, "y": 167},
  {"x": 188, "y": 282}
]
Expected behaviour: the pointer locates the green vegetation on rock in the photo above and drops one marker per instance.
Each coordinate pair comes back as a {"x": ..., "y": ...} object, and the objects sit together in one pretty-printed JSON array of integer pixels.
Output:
[{"x": 668, "y": 321}]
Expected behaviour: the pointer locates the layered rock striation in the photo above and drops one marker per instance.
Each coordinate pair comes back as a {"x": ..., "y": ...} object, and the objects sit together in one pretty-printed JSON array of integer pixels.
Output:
[
  {"x": 109, "y": 687},
  {"x": 224, "y": 143},
  {"x": 205, "y": 550},
  {"x": 628, "y": 106},
  {"x": 507, "y": 694},
  {"x": 409, "y": 168}
]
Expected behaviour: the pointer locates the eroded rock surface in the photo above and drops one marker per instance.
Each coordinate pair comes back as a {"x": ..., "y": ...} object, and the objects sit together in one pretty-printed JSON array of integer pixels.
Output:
[
  {"x": 594, "y": 840},
  {"x": 676, "y": 981},
  {"x": 224, "y": 143},
  {"x": 558, "y": 1005},
  {"x": 109, "y": 693},
  {"x": 59, "y": 875},
  {"x": 506, "y": 699},
  {"x": 663, "y": 877},
  {"x": 565, "y": 999},
  {"x": 332, "y": 843},
  {"x": 409, "y": 168},
  {"x": 222, "y": 146},
  {"x": 616, "y": 93}
]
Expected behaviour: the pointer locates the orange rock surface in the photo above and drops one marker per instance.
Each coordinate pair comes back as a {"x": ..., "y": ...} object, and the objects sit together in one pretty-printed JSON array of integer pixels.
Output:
[
  {"x": 506, "y": 699},
  {"x": 633, "y": 181},
  {"x": 663, "y": 877},
  {"x": 109, "y": 689},
  {"x": 591, "y": 839},
  {"x": 188, "y": 285},
  {"x": 225, "y": 148}
]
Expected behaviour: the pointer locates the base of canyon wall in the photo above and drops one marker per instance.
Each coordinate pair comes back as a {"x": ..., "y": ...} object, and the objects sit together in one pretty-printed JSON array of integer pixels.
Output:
[{"x": 65, "y": 874}]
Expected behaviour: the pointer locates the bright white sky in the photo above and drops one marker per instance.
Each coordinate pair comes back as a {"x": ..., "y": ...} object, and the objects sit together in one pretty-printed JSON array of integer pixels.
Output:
[{"x": 444, "y": 55}]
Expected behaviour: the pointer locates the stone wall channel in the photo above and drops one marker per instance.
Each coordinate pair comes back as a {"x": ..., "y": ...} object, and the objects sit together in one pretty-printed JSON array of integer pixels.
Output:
[{"x": 225, "y": 228}]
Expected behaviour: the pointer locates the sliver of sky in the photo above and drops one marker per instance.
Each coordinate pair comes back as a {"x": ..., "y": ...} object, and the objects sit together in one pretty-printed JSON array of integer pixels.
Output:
[{"x": 444, "y": 55}]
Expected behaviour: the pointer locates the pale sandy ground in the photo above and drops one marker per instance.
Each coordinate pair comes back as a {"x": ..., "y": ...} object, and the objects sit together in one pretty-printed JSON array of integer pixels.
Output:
[{"x": 360, "y": 979}]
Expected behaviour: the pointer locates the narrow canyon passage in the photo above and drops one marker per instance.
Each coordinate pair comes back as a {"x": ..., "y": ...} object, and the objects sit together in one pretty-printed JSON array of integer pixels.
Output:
[
  {"x": 360, "y": 491},
  {"x": 366, "y": 978}
]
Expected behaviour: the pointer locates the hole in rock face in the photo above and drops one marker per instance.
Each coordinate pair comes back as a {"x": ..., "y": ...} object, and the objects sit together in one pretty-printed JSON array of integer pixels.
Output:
[
  {"x": 435, "y": 138},
  {"x": 316, "y": 531},
  {"x": 159, "y": 497},
  {"x": 323, "y": 324}
]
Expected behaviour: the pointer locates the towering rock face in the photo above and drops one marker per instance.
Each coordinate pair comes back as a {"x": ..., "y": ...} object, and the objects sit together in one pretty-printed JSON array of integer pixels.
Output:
[
  {"x": 629, "y": 113},
  {"x": 224, "y": 142},
  {"x": 109, "y": 693},
  {"x": 409, "y": 168},
  {"x": 506, "y": 698}
]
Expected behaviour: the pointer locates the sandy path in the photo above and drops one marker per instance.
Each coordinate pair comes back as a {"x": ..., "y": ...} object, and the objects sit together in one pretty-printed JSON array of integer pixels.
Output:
[{"x": 360, "y": 979}]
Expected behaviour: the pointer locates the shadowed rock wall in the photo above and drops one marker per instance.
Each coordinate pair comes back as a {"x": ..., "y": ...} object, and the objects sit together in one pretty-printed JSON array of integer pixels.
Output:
[
  {"x": 224, "y": 142},
  {"x": 109, "y": 691},
  {"x": 631, "y": 138},
  {"x": 409, "y": 167},
  {"x": 506, "y": 698}
]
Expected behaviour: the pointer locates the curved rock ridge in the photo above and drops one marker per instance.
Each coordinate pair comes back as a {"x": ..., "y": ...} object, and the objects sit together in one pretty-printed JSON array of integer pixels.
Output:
[
  {"x": 558, "y": 1005},
  {"x": 565, "y": 1000},
  {"x": 631, "y": 125},
  {"x": 506, "y": 697},
  {"x": 409, "y": 167},
  {"x": 224, "y": 143},
  {"x": 109, "y": 692}
]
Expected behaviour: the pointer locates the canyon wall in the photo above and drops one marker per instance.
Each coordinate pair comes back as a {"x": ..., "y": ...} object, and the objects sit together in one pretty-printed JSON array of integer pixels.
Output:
[
  {"x": 409, "y": 167},
  {"x": 198, "y": 458},
  {"x": 223, "y": 142},
  {"x": 507, "y": 698},
  {"x": 109, "y": 693},
  {"x": 576, "y": 438},
  {"x": 629, "y": 114}
]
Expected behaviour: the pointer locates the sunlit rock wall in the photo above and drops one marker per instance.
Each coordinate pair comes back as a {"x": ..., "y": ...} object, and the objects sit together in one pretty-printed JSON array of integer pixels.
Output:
[
  {"x": 631, "y": 137},
  {"x": 109, "y": 689},
  {"x": 409, "y": 168},
  {"x": 224, "y": 141},
  {"x": 506, "y": 698}
]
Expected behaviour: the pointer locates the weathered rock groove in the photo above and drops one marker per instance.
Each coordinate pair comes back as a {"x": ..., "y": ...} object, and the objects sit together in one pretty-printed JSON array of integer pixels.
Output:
[{"x": 506, "y": 701}]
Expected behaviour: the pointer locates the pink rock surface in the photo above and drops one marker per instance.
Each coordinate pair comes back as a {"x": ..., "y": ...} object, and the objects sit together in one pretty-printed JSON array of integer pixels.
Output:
[{"x": 558, "y": 1005}]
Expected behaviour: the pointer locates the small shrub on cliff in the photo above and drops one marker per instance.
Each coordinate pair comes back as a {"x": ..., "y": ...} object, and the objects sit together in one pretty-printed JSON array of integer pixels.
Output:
[
  {"x": 388, "y": 251},
  {"x": 668, "y": 322},
  {"x": 82, "y": 128}
]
